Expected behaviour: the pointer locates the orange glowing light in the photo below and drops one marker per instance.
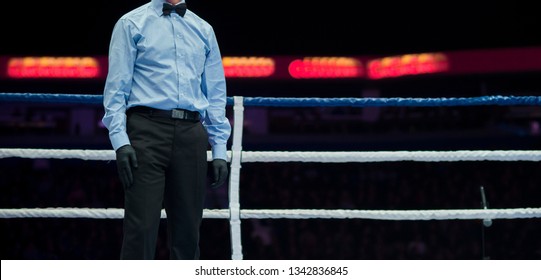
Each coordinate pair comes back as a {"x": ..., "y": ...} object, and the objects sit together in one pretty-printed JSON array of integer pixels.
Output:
[
  {"x": 53, "y": 67},
  {"x": 248, "y": 67}
]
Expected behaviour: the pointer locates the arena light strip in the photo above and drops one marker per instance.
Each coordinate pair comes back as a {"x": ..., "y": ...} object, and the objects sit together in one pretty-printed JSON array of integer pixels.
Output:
[
  {"x": 409, "y": 64},
  {"x": 326, "y": 67},
  {"x": 248, "y": 67},
  {"x": 53, "y": 67},
  {"x": 484, "y": 61}
]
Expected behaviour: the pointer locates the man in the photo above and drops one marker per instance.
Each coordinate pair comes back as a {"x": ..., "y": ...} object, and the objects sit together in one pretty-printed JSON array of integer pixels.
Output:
[{"x": 164, "y": 101}]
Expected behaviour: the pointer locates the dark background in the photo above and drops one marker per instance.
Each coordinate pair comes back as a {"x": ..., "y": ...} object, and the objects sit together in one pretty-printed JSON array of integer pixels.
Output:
[{"x": 299, "y": 28}]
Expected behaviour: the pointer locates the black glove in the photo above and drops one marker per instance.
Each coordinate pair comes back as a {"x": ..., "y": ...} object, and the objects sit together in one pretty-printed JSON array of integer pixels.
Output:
[
  {"x": 220, "y": 172},
  {"x": 125, "y": 161}
]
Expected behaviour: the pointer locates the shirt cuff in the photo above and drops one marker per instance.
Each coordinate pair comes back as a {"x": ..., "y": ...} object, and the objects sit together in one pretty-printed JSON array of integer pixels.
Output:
[
  {"x": 219, "y": 151},
  {"x": 118, "y": 140}
]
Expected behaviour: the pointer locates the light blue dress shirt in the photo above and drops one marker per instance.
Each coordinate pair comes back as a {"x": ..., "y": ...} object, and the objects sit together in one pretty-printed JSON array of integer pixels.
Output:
[{"x": 165, "y": 62}]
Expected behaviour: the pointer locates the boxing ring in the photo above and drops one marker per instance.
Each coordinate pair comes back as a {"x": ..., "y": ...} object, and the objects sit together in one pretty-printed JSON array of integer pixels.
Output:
[{"x": 237, "y": 156}]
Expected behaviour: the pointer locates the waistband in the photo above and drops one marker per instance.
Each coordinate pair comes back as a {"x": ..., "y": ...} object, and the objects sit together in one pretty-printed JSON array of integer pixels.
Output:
[{"x": 179, "y": 114}]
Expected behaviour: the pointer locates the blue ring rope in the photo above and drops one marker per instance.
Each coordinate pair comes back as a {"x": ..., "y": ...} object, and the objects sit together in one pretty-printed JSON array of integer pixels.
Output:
[
  {"x": 395, "y": 101},
  {"x": 301, "y": 102}
]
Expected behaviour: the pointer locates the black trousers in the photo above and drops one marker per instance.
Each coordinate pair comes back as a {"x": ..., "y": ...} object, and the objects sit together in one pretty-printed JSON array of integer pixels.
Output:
[{"x": 171, "y": 174}]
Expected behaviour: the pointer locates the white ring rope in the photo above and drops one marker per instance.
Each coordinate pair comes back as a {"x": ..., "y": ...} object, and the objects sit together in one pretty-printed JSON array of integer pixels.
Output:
[
  {"x": 59, "y": 154},
  {"x": 461, "y": 214},
  {"x": 247, "y": 156},
  {"x": 297, "y": 213},
  {"x": 69, "y": 154},
  {"x": 92, "y": 213},
  {"x": 382, "y": 156}
]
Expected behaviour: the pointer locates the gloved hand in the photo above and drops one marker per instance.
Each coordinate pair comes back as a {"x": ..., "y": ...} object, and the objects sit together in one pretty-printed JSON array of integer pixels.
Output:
[
  {"x": 220, "y": 172},
  {"x": 125, "y": 162}
]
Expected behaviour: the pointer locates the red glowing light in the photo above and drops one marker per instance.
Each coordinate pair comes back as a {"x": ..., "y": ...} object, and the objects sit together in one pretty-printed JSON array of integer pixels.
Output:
[
  {"x": 326, "y": 67},
  {"x": 409, "y": 64}
]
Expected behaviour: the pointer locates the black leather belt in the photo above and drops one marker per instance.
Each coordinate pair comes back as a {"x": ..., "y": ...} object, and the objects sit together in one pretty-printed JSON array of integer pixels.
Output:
[{"x": 179, "y": 114}]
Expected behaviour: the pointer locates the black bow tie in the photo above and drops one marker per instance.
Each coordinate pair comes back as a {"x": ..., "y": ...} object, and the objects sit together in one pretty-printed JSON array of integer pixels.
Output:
[{"x": 180, "y": 9}]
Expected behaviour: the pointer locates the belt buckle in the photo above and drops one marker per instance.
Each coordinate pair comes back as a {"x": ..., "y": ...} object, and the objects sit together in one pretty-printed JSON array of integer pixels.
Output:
[{"x": 178, "y": 114}]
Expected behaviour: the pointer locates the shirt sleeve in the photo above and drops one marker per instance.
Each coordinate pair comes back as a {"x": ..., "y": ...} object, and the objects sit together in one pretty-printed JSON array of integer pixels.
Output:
[
  {"x": 214, "y": 87},
  {"x": 122, "y": 52}
]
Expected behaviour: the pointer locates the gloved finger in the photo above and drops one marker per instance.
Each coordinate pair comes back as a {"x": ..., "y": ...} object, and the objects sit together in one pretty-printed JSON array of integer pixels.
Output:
[
  {"x": 216, "y": 176},
  {"x": 220, "y": 176},
  {"x": 133, "y": 160}
]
